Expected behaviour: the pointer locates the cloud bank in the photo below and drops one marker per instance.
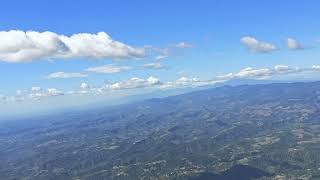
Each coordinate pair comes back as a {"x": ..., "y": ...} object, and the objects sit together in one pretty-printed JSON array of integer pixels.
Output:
[{"x": 37, "y": 93}]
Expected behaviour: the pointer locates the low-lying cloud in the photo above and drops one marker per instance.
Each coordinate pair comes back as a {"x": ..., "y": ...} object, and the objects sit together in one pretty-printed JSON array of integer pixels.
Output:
[
  {"x": 37, "y": 93},
  {"x": 136, "y": 82},
  {"x": 264, "y": 73}
]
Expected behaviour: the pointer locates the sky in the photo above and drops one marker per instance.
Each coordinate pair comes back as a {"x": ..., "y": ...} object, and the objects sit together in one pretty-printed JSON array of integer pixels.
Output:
[{"x": 56, "y": 52}]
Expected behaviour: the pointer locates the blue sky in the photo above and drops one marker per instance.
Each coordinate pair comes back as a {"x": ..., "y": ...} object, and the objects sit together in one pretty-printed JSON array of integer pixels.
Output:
[{"x": 203, "y": 40}]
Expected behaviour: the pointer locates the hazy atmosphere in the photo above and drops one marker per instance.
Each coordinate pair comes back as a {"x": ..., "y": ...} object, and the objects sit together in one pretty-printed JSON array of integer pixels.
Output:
[
  {"x": 87, "y": 51},
  {"x": 159, "y": 90}
]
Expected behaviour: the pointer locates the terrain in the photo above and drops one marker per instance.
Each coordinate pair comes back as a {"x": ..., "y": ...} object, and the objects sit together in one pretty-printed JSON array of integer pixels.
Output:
[{"x": 265, "y": 131}]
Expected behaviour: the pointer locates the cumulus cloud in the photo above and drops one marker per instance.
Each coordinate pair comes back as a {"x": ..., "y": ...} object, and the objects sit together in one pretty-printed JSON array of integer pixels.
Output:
[
  {"x": 257, "y": 46},
  {"x": 108, "y": 69},
  {"x": 65, "y": 75},
  {"x": 19, "y": 46},
  {"x": 183, "y": 45},
  {"x": 293, "y": 44},
  {"x": 136, "y": 82}
]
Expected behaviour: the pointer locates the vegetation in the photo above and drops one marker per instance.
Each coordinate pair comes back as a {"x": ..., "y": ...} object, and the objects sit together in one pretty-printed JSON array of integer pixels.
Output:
[{"x": 244, "y": 132}]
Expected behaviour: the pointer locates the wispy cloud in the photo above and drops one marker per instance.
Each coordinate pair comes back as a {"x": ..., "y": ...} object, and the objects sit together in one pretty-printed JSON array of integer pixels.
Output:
[
  {"x": 183, "y": 45},
  {"x": 161, "y": 57},
  {"x": 65, "y": 75},
  {"x": 293, "y": 44},
  {"x": 154, "y": 65},
  {"x": 108, "y": 69}
]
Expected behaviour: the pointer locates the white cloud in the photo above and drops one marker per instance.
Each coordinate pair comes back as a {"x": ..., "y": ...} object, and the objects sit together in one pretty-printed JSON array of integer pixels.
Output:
[
  {"x": 154, "y": 65},
  {"x": 293, "y": 44},
  {"x": 257, "y": 46},
  {"x": 54, "y": 92},
  {"x": 136, "y": 83},
  {"x": 65, "y": 75},
  {"x": 38, "y": 93},
  {"x": 84, "y": 86},
  {"x": 227, "y": 76},
  {"x": 263, "y": 73},
  {"x": 183, "y": 82},
  {"x": 157, "y": 63},
  {"x": 108, "y": 69},
  {"x": 281, "y": 67},
  {"x": 183, "y": 45},
  {"x": 84, "y": 89},
  {"x": 316, "y": 67},
  {"x": 251, "y": 72},
  {"x": 36, "y": 89},
  {"x": 160, "y": 57},
  {"x": 132, "y": 83},
  {"x": 19, "y": 46},
  {"x": 248, "y": 72},
  {"x": 284, "y": 69}
]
